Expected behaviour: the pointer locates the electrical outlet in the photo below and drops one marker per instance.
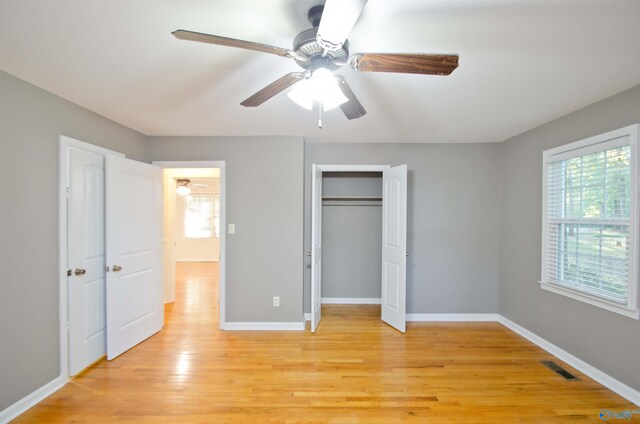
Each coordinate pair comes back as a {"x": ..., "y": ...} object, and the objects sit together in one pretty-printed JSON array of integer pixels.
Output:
[
  {"x": 276, "y": 301},
  {"x": 232, "y": 228}
]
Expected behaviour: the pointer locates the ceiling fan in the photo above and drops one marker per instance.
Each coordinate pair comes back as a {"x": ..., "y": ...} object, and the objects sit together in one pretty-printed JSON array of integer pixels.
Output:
[
  {"x": 325, "y": 48},
  {"x": 183, "y": 186}
]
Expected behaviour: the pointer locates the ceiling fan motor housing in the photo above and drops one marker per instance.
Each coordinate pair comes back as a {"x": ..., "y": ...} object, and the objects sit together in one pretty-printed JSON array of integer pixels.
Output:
[{"x": 305, "y": 44}]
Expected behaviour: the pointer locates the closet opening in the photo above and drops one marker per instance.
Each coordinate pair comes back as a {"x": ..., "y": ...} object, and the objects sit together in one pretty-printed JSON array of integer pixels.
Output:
[
  {"x": 352, "y": 237},
  {"x": 359, "y": 239}
]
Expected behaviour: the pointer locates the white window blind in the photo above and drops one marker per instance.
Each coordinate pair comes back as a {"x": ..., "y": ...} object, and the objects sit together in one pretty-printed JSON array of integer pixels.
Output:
[
  {"x": 588, "y": 231},
  {"x": 198, "y": 216}
]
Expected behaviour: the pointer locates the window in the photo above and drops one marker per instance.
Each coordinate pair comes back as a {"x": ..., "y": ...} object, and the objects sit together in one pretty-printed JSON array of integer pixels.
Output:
[
  {"x": 198, "y": 215},
  {"x": 589, "y": 246}
]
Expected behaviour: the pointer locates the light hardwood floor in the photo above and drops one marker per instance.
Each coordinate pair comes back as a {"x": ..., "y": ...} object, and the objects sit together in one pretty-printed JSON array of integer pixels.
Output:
[{"x": 354, "y": 369}]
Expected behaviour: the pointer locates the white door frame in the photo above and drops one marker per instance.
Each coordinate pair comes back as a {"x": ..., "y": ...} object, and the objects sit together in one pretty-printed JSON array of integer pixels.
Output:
[
  {"x": 338, "y": 168},
  {"x": 63, "y": 177},
  {"x": 223, "y": 219}
]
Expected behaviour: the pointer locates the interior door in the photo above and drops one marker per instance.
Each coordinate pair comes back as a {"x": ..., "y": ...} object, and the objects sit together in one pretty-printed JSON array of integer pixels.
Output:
[
  {"x": 316, "y": 248},
  {"x": 85, "y": 258},
  {"x": 134, "y": 253},
  {"x": 394, "y": 246}
]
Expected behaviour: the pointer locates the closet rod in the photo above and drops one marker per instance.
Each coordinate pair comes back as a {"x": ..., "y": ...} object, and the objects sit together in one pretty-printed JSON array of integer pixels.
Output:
[
  {"x": 352, "y": 201},
  {"x": 353, "y": 198}
]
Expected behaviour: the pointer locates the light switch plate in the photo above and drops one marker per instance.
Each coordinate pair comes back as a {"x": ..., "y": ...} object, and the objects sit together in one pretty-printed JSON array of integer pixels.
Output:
[{"x": 232, "y": 228}]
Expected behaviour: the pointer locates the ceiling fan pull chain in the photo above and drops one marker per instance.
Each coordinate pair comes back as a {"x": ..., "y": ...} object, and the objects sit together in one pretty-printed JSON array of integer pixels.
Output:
[{"x": 320, "y": 115}]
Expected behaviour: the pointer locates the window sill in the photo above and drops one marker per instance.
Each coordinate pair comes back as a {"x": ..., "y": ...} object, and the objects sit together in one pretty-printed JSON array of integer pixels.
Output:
[{"x": 591, "y": 300}]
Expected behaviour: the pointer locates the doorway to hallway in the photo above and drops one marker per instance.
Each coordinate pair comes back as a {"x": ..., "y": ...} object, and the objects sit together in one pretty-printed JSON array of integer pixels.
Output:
[
  {"x": 196, "y": 302},
  {"x": 194, "y": 232}
]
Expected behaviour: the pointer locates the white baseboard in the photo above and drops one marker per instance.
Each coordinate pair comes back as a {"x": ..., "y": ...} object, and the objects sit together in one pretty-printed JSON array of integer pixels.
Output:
[
  {"x": 32, "y": 399},
  {"x": 606, "y": 380},
  {"x": 351, "y": 301},
  {"x": 452, "y": 317},
  {"x": 443, "y": 317},
  {"x": 263, "y": 326},
  {"x": 196, "y": 260}
]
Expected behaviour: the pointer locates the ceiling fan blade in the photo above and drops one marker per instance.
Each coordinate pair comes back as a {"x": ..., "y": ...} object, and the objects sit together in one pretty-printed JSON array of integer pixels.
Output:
[
  {"x": 272, "y": 89},
  {"x": 428, "y": 64},
  {"x": 338, "y": 19},
  {"x": 230, "y": 42},
  {"x": 352, "y": 108}
]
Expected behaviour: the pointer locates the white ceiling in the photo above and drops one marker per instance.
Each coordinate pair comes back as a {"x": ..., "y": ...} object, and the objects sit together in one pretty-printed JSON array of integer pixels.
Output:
[{"x": 522, "y": 63}]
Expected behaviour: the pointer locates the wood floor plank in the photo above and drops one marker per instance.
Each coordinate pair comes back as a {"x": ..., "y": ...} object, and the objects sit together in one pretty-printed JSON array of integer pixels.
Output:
[{"x": 354, "y": 369}]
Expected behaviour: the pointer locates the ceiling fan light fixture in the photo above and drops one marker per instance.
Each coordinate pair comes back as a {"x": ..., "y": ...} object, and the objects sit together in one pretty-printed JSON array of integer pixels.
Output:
[
  {"x": 183, "y": 188},
  {"x": 322, "y": 87},
  {"x": 302, "y": 94},
  {"x": 326, "y": 89}
]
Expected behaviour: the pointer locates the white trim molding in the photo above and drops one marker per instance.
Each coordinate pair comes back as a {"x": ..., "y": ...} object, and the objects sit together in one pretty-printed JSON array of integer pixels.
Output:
[
  {"x": 32, "y": 399},
  {"x": 351, "y": 300},
  {"x": 606, "y": 380},
  {"x": 263, "y": 326},
  {"x": 352, "y": 168},
  {"x": 592, "y": 300},
  {"x": 452, "y": 317}
]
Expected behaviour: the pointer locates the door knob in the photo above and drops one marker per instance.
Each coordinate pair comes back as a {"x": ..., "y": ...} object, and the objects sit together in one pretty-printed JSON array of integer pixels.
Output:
[
  {"x": 116, "y": 268},
  {"x": 80, "y": 271}
]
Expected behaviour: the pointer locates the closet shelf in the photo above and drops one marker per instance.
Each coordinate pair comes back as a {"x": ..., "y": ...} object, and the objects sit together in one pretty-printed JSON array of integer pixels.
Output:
[{"x": 352, "y": 201}]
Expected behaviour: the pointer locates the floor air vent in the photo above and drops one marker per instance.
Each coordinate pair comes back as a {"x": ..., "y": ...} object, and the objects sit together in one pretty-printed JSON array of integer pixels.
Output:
[{"x": 559, "y": 370}]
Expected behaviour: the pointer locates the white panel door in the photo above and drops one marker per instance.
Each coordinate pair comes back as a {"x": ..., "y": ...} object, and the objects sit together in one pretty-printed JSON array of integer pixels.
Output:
[
  {"x": 85, "y": 258},
  {"x": 134, "y": 253},
  {"x": 316, "y": 248},
  {"x": 394, "y": 246}
]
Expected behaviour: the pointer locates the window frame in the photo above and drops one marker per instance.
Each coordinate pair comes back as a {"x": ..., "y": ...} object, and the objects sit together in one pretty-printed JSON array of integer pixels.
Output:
[{"x": 609, "y": 140}]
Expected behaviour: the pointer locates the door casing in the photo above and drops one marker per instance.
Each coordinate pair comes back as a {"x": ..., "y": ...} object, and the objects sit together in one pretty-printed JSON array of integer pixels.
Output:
[
  {"x": 220, "y": 164},
  {"x": 341, "y": 168}
]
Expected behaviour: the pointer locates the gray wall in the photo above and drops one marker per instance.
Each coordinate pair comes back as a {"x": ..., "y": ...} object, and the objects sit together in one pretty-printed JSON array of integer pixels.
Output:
[
  {"x": 351, "y": 237},
  {"x": 264, "y": 201},
  {"x": 452, "y": 219},
  {"x": 604, "y": 339},
  {"x": 31, "y": 121}
]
